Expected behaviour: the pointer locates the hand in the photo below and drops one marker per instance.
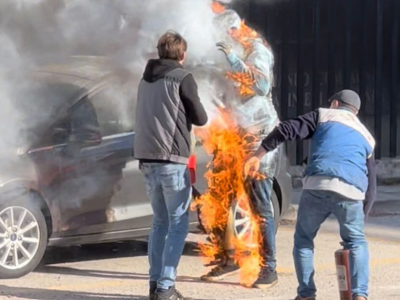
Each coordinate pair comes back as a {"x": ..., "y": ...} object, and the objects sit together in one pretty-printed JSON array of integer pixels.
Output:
[
  {"x": 251, "y": 167},
  {"x": 224, "y": 47}
]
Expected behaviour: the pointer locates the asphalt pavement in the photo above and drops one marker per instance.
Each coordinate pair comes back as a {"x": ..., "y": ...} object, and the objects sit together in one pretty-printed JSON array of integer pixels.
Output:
[{"x": 119, "y": 271}]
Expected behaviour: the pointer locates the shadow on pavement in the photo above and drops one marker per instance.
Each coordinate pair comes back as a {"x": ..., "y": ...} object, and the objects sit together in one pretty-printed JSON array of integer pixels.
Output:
[
  {"x": 114, "y": 275},
  {"x": 43, "y": 294},
  {"x": 107, "y": 251},
  {"x": 104, "y": 251}
]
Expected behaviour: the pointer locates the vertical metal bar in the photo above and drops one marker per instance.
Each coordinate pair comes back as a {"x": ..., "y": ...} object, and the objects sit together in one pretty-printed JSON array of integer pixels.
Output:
[
  {"x": 394, "y": 95},
  {"x": 332, "y": 49},
  {"x": 363, "y": 57},
  {"x": 284, "y": 64},
  {"x": 378, "y": 79},
  {"x": 300, "y": 74},
  {"x": 347, "y": 44},
  {"x": 316, "y": 27}
]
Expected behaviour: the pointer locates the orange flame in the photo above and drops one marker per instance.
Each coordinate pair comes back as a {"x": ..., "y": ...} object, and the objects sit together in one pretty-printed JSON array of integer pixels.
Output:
[
  {"x": 244, "y": 82},
  {"x": 227, "y": 194},
  {"x": 217, "y": 7},
  {"x": 230, "y": 147},
  {"x": 244, "y": 34}
]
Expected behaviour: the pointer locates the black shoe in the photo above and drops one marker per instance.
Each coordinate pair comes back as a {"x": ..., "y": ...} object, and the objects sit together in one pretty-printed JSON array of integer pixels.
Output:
[
  {"x": 266, "y": 278},
  {"x": 152, "y": 291},
  {"x": 307, "y": 298},
  {"x": 220, "y": 272},
  {"x": 170, "y": 294}
]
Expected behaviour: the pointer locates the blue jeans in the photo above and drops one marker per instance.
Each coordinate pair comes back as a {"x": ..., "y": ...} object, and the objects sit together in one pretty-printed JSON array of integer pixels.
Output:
[
  {"x": 261, "y": 196},
  {"x": 168, "y": 186},
  {"x": 315, "y": 207}
]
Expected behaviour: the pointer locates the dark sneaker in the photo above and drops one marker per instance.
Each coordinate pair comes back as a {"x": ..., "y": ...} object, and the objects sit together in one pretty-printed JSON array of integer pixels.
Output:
[
  {"x": 152, "y": 291},
  {"x": 306, "y": 298},
  {"x": 266, "y": 279},
  {"x": 220, "y": 272},
  {"x": 170, "y": 294}
]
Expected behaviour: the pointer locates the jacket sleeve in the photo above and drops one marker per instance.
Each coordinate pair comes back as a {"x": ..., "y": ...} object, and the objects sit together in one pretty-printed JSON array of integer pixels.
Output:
[
  {"x": 370, "y": 195},
  {"x": 300, "y": 128},
  {"x": 191, "y": 101},
  {"x": 258, "y": 65}
]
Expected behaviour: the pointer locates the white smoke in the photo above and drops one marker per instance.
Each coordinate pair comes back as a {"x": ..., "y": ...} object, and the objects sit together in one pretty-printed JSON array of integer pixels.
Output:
[{"x": 34, "y": 33}]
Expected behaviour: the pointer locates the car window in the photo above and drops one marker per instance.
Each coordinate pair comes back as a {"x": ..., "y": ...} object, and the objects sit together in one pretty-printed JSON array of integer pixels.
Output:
[
  {"x": 80, "y": 126},
  {"x": 113, "y": 111}
]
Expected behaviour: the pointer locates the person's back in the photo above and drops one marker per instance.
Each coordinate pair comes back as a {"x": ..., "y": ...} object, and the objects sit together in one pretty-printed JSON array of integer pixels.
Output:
[
  {"x": 340, "y": 179},
  {"x": 167, "y": 106},
  {"x": 340, "y": 147}
]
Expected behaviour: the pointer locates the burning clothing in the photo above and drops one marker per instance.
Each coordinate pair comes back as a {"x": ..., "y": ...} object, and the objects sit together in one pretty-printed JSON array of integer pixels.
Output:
[
  {"x": 167, "y": 106},
  {"x": 258, "y": 62},
  {"x": 257, "y": 114}
]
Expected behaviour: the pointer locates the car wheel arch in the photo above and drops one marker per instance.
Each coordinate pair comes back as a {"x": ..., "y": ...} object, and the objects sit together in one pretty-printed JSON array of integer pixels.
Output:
[{"x": 14, "y": 189}]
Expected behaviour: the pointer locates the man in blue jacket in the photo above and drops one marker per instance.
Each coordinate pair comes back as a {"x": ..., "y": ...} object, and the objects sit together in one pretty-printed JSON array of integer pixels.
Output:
[{"x": 340, "y": 179}]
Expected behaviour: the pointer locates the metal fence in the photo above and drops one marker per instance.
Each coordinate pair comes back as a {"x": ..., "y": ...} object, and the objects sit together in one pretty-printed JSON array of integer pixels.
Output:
[{"x": 322, "y": 46}]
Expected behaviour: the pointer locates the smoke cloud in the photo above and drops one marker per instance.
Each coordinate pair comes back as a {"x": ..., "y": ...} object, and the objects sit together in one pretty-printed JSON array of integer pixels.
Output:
[{"x": 36, "y": 33}]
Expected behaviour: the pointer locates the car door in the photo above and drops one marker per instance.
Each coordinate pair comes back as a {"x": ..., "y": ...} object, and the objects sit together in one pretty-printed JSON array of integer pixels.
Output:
[
  {"x": 89, "y": 167},
  {"x": 127, "y": 206}
]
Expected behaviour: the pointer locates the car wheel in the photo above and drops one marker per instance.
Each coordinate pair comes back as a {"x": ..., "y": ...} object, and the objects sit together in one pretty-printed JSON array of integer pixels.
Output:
[
  {"x": 23, "y": 237},
  {"x": 241, "y": 214}
]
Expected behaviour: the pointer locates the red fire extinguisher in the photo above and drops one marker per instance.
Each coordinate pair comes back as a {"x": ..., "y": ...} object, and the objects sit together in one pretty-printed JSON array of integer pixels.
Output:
[
  {"x": 192, "y": 169},
  {"x": 343, "y": 273}
]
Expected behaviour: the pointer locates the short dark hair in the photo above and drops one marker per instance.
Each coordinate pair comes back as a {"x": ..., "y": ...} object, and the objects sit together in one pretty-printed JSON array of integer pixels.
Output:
[{"x": 171, "y": 45}]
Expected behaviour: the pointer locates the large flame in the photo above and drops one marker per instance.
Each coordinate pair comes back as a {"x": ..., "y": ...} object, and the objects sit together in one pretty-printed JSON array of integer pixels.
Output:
[
  {"x": 245, "y": 34},
  {"x": 227, "y": 196},
  {"x": 229, "y": 146},
  {"x": 243, "y": 81}
]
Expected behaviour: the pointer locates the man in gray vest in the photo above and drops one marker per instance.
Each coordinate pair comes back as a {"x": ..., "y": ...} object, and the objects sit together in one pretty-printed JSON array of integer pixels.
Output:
[{"x": 167, "y": 106}]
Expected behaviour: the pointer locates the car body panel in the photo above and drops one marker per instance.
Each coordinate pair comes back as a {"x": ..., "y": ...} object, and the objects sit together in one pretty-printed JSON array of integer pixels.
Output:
[{"x": 96, "y": 193}]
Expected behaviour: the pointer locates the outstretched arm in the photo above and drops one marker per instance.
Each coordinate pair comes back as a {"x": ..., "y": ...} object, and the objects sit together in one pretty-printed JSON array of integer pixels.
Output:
[
  {"x": 302, "y": 127},
  {"x": 258, "y": 65}
]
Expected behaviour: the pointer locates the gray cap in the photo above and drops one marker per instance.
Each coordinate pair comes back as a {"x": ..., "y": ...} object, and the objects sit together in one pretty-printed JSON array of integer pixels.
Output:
[{"x": 348, "y": 97}]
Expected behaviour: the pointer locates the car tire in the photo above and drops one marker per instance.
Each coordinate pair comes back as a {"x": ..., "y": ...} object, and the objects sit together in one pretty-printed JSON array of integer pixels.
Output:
[
  {"x": 239, "y": 213},
  {"x": 26, "y": 239}
]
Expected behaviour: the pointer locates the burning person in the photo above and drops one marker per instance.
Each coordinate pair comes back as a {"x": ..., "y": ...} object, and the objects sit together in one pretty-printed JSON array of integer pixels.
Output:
[{"x": 255, "y": 113}]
